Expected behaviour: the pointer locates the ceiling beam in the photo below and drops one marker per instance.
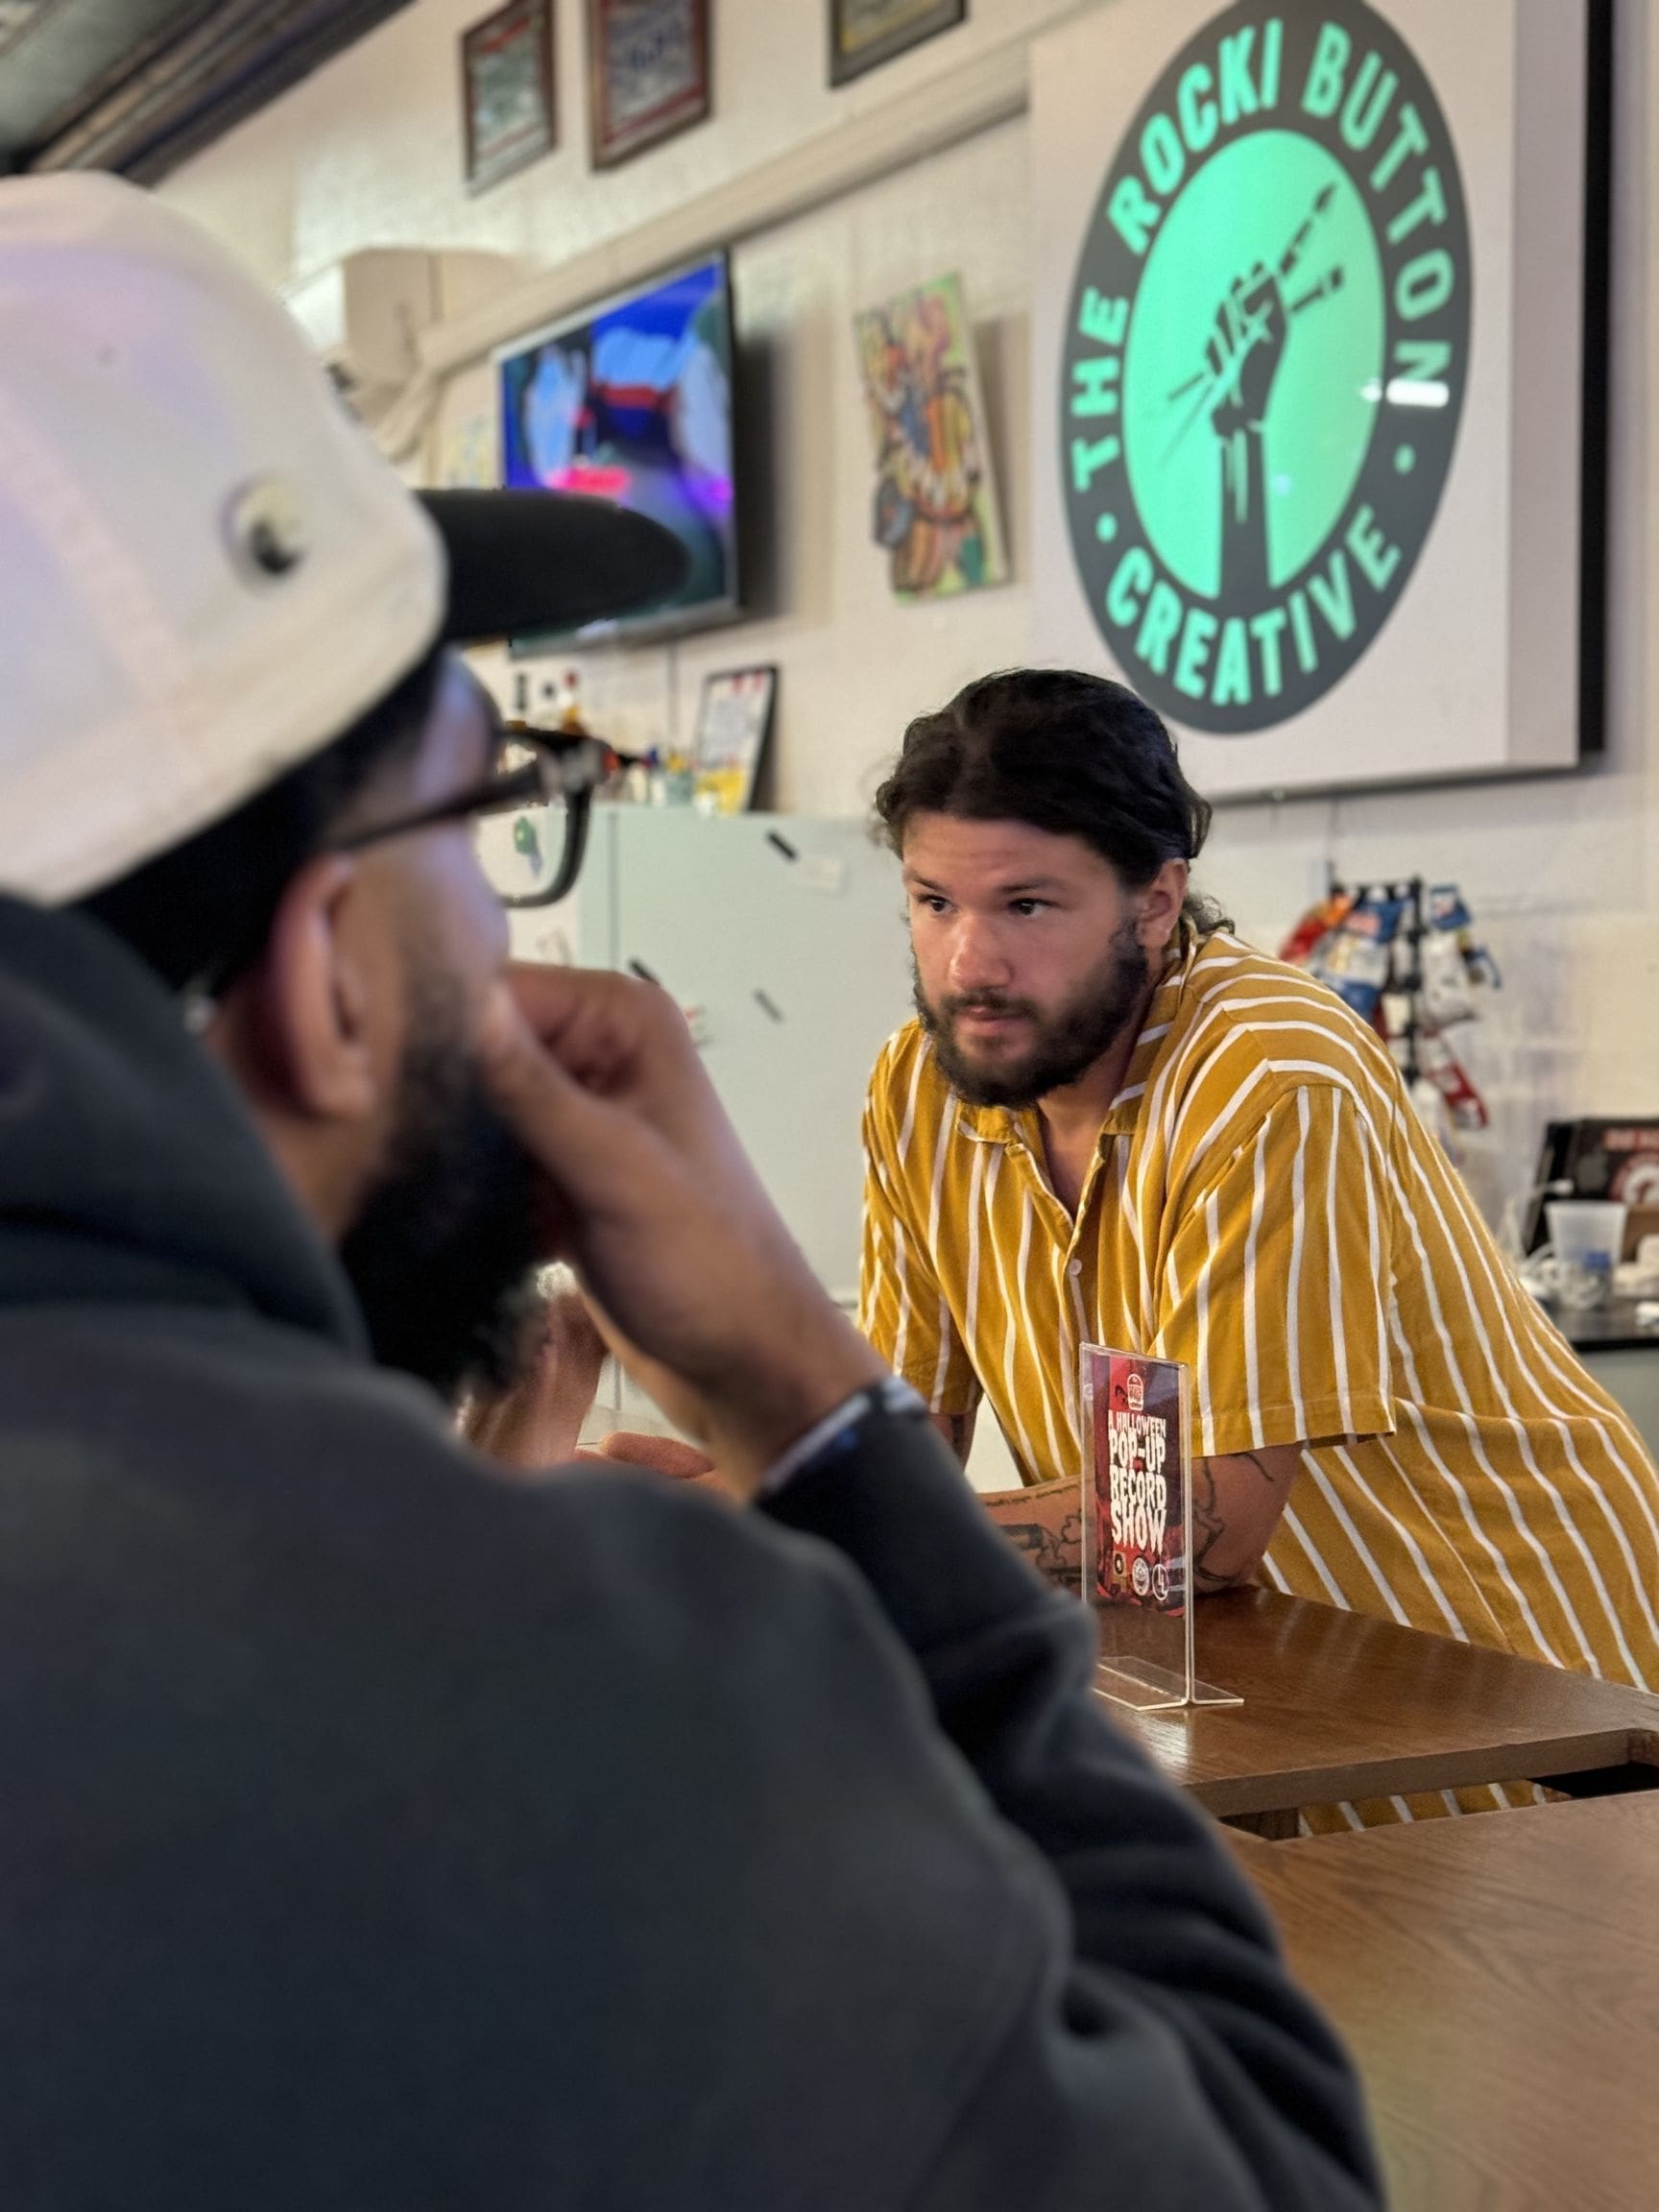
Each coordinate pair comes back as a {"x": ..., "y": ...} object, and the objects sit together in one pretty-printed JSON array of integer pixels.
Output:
[{"x": 179, "y": 93}]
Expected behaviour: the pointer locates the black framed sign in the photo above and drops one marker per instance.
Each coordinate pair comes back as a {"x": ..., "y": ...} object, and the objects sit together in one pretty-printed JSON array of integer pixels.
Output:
[
  {"x": 1319, "y": 363},
  {"x": 866, "y": 32}
]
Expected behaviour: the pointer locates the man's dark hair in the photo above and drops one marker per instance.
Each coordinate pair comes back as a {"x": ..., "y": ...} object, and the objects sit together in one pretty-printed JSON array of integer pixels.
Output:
[
  {"x": 199, "y": 913},
  {"x": 1076, "y": 755}
]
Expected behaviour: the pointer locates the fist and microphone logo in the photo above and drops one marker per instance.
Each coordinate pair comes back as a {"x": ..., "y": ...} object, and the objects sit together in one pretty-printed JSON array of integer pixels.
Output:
[{"x": 1265, "y": 361}]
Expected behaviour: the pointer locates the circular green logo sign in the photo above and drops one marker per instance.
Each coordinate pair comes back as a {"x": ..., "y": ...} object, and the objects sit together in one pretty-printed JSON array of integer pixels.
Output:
[{"x": 1265, "y": 361}]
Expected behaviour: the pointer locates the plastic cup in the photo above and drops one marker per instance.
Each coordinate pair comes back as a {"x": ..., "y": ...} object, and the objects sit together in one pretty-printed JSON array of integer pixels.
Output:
[{"x": 1587, "y": 1238}]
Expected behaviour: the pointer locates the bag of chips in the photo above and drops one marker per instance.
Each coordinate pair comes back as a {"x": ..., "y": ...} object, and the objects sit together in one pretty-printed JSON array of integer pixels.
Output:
[
  {"x": 1442, "y": 1068},
  {"x": 1315, "y": 926},
  {"x": 1355, "y": 958}
]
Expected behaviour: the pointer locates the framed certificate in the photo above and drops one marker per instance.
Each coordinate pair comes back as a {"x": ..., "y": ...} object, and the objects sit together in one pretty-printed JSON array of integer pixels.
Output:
[
  {"x": 863, "y": 33},
  {"x": 648, "y": 73},
  {"x": 508, "y": 113}
]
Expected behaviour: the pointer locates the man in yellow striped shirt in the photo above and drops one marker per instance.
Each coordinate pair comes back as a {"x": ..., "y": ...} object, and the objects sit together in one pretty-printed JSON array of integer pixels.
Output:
[{"x": 1113, "y": 1121}]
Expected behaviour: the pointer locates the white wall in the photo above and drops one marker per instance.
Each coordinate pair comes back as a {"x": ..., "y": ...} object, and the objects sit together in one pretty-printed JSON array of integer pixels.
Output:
[{"x": 1564, "y": 874}]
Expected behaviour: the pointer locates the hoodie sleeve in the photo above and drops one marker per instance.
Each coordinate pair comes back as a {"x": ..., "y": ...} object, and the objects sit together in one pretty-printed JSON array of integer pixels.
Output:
[{"x": 1154, "y": 2050}]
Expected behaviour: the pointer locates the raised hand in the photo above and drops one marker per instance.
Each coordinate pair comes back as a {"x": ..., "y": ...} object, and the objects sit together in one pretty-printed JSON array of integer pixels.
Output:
[
  {"x": 1246, "y": 344},
  {"x": 1244, "y": 351},
  {"x": 536, "y": 1423},
  {"x": 696, "y": 1283}
]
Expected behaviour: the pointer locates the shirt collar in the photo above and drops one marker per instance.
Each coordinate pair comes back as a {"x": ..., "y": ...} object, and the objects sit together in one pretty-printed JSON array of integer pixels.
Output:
[{"x": 1124, "y": 1109}]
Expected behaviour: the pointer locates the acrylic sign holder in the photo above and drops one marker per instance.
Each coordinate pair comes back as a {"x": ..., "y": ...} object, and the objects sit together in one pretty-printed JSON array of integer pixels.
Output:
[{"x": 1138, "y": 1530}]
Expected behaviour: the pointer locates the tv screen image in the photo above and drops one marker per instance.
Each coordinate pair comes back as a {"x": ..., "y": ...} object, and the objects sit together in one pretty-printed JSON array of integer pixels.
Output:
[{"x": 632, "y": 402}]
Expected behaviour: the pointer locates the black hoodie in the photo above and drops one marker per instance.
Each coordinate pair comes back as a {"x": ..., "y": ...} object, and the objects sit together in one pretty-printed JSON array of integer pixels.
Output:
[{"x": 377, "y": 1834}]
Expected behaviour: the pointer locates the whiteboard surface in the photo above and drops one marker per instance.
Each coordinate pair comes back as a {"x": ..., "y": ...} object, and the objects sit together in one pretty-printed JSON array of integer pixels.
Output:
[{"x": 798, "y": 970}]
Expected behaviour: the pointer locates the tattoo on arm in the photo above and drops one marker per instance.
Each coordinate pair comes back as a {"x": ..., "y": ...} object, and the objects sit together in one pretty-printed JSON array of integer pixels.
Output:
[
  {"x": 1056, "y": 1554},
  {"x": 1209, "y": 1528},
  {"x": 961, "y": 1433}
]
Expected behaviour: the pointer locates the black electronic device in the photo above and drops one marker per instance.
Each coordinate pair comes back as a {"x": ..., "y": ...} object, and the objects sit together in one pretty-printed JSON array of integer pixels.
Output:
[
  {"x": 1603, "y": 1158},
  {"x": 630, "y": 401}
]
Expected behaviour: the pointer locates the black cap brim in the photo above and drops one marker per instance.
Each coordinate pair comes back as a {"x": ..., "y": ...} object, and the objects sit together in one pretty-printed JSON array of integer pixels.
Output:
[{"x": 522, "y": 563}]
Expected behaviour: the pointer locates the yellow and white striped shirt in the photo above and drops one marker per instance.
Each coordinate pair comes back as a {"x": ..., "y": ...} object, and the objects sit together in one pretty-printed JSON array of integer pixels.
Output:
[{"x": 1266, "y": 1206}]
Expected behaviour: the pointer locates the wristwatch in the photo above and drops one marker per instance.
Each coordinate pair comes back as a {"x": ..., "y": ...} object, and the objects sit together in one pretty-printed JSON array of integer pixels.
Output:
[{"x": 839, "y": 1430}]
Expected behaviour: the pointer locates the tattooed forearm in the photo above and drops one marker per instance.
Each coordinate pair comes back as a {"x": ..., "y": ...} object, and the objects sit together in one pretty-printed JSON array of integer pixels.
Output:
[
  {"x": 1258, "y": 1462},
  {"x": 1054, "y": 1550},
  {"x": 1208, "y": 1530},
  {"x": 1237, "y": 1500}
]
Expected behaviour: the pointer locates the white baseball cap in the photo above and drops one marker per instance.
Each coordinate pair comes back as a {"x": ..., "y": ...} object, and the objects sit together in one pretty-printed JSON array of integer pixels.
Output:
[{"x": 207, "y": 571}]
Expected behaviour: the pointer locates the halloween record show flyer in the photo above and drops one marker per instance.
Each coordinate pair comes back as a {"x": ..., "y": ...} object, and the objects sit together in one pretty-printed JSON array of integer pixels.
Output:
[
  {"x": 1139, "y": 1435},
  {"x": 1136, "y": 1568}
]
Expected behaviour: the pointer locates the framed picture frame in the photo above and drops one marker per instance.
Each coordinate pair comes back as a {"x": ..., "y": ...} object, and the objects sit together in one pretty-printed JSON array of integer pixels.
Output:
[
  {"x": 507, "y": 91},
  {"x": 733, "y": 722},
  {"x": 647, "y": 73},
  {"x": 863, "y": 33},
  {"x": 1456, "y": 553}
]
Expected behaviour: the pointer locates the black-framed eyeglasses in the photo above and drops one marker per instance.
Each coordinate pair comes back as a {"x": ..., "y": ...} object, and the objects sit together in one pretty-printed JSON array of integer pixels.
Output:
[
  {"x": 536, "y": 771},
  {"x": 535, "y": 768}
]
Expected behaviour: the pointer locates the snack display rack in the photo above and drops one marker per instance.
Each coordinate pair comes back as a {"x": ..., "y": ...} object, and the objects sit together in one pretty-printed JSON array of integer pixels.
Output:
[{"x": 1405, "y": 956}]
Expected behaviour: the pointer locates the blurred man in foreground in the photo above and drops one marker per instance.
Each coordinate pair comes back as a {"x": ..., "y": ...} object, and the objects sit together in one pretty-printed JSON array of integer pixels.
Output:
[{"x": 378, "y": 1832}]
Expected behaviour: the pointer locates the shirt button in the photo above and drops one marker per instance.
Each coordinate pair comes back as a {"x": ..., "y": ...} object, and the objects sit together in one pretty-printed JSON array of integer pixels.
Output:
[{"x": 1075, "y": 1269}]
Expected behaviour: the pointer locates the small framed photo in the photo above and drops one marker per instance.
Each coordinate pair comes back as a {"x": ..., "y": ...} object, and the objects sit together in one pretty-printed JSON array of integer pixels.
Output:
[
  {"x": 733, "y": 721},
  {"x": 648, "y": 73},
  {"x": 507, "y": 91},
  {"x": 863, "y": 33}
]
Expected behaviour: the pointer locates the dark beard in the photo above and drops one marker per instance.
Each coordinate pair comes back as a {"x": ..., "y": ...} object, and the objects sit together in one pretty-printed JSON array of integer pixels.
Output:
[
  {"x": 1067, "y": 1044},
  {"x": 444, "y": 1253}
]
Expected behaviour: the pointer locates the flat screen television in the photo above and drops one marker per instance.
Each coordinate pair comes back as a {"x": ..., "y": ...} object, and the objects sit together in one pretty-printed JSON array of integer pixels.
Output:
[{"x": 631, "y": 401}]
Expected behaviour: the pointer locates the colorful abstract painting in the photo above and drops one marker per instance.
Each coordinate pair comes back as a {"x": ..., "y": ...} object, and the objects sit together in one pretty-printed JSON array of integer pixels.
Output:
[{"x": 935, "y": 511}]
